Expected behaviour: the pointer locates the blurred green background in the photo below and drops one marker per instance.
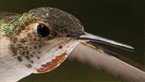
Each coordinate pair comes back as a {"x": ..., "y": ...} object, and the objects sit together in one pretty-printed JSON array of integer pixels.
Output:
[{"x": 119, "y": 20}]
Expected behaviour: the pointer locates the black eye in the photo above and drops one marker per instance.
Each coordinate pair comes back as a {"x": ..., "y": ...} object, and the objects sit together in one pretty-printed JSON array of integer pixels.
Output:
[{"x": 43, "y": 30}]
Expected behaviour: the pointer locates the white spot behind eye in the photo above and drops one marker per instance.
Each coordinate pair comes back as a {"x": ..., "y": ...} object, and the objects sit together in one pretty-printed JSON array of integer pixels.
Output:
[
  {"x": 35, "y": 26},
  {"x": 30, "y": 28}
]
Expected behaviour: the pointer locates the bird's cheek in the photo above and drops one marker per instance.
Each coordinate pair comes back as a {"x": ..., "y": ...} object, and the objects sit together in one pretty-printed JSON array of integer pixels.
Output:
[{"x": 53, "y": 64}]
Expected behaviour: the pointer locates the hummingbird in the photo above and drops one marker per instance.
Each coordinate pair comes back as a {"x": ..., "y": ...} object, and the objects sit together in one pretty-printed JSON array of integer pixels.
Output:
[{"x": 39, "y": 40}]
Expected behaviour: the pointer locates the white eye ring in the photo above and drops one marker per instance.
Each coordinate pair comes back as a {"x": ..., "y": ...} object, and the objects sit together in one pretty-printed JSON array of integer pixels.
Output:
[{"x": 35, "y": 26}]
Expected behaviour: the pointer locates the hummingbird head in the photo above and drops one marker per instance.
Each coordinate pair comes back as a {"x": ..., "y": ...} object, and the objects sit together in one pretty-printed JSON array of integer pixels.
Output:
[{"x": 44, "y": 37}]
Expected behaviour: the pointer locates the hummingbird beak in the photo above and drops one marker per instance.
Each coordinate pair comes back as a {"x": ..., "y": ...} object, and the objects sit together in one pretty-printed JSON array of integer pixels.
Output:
[{"x": 98, "y": 39}]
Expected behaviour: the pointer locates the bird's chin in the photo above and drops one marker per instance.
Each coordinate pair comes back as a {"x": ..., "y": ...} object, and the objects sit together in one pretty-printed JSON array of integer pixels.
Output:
[
  {"x": 55, "y": 56},
  {"x": 49, "y": 66}
]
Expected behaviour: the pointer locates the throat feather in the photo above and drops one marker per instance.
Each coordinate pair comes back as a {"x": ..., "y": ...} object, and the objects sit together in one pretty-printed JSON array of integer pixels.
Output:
[{"x": 53, "y": 64}]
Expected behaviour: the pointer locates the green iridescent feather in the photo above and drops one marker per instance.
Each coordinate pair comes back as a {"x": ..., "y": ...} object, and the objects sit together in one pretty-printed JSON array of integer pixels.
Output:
[{"x": 8, "y": 21}]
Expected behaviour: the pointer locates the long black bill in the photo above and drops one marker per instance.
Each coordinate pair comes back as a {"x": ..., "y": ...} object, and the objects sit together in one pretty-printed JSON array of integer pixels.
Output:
[{"x": 97, "y": 39}]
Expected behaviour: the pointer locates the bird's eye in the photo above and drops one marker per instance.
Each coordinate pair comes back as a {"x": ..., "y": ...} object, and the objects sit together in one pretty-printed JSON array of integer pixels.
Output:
[{"x": 43, "y": 30}]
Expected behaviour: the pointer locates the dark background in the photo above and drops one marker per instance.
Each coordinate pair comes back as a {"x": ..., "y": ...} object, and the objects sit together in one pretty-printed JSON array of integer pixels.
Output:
[{"x": 119, "y": 20}]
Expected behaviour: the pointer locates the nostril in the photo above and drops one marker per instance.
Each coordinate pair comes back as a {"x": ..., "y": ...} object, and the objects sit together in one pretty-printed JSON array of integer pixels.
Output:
[
  {"x": 68, "y": 35},
  {"x": 72, "y": 35},
  {"x": 75, "y": 35}
]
